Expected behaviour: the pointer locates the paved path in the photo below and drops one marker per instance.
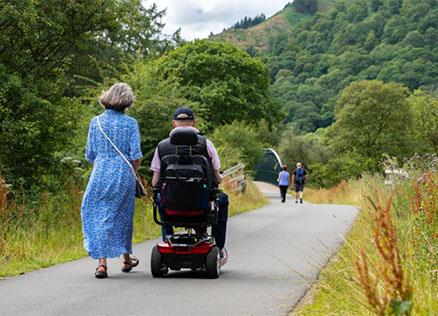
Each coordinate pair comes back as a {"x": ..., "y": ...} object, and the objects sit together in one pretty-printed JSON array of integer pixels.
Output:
[{"x": 275, "y": 254}]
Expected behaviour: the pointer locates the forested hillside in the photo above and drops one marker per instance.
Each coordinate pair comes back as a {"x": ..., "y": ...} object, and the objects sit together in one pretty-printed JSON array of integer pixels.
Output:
[{"x": 314, "y": 49}]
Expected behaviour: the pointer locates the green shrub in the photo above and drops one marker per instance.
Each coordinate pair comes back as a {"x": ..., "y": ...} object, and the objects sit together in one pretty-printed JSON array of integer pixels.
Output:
[{"x": 240, "y": 139}]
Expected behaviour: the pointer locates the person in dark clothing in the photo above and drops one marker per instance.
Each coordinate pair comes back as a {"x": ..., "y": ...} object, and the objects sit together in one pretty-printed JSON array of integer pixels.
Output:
[
  {"x": 283, "y": 183},
  {"x": 184, "y": 118},
  {"x": 299, "y": 177}
]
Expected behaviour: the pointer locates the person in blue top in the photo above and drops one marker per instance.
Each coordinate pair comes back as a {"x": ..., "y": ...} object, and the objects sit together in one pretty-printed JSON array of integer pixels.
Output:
[
  {"x": 108, "y": 204},
  {"x": 283, "y": 183}
]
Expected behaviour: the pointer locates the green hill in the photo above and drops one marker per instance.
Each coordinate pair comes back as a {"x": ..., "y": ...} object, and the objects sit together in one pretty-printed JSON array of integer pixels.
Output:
[
  {"x": 258, "y": 38},
  {"x": 313, "y": 54}
]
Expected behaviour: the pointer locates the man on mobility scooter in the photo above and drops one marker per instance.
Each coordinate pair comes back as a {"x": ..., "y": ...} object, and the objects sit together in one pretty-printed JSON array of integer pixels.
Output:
[{"x": 186, "y": 176}]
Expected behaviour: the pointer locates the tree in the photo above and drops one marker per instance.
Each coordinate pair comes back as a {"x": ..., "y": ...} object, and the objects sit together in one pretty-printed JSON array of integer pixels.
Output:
[
  {"x": 425, "y": 109},
  {"x": 227, "y": 83},
  {"x": 156, "y": 100},
  {"x": 372, "y": 119},
  {"x": 50, "y": 53},
  {"x": 305, "y": 6},
  {"x": 388, "y": 40},
  {"x": 247, "y": 22},
  {"x": 241, "y": 138}
]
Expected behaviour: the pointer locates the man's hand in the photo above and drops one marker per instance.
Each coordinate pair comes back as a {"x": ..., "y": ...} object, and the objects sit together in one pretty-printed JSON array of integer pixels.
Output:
[
  {"x": 218, "y": 175},
  {"x": 155, "y": 192}
]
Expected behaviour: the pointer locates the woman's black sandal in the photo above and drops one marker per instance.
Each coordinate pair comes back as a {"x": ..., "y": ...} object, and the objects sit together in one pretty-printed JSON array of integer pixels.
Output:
[
  {"x": 133, "y": 262},
  {"x": 101, "y": 274}
]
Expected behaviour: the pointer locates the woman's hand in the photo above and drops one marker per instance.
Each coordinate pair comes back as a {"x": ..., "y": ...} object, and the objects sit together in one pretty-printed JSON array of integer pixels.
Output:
[{"x": 137, "y": 164}]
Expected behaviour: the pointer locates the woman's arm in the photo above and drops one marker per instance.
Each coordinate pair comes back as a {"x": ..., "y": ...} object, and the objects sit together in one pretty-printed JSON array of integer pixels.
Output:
[{"x": 90, "y": 152}]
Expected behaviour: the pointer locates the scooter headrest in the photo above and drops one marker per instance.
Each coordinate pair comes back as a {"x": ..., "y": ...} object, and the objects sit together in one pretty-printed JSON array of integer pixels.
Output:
[{"x": 183, "y": 136}]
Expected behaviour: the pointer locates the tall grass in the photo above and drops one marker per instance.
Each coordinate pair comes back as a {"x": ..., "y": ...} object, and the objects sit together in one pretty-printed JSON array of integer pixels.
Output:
[
  {"x": 36, "y": 235},
  {"x": 389, "y": 263}
]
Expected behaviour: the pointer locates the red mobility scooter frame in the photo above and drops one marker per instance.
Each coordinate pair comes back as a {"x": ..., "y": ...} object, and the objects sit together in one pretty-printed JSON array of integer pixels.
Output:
[{"x": 194, "y": 248}]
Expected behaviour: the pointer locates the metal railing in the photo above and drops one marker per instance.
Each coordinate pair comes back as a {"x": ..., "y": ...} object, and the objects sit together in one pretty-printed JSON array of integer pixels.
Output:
[{"x": 234, "y": 178}]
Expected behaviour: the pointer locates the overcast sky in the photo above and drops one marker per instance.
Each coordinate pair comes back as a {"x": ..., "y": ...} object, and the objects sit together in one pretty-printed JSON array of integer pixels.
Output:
[{"x": 197, "y": 18}]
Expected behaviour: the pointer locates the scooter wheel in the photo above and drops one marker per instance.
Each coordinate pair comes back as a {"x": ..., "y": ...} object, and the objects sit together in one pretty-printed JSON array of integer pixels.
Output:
[
  {"x": 157, "y": 268},
  {"x": 212, "y": 263}
]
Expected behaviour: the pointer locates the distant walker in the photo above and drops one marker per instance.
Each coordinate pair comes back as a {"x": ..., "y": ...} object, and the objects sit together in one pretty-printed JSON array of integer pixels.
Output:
[
  {"x": 299, "y": 177},
  {"x": 283, "y": 183}
]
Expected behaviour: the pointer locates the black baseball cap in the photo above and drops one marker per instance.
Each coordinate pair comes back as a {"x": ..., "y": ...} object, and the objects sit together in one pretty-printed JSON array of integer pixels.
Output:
[{"x": 183, "y": 113}]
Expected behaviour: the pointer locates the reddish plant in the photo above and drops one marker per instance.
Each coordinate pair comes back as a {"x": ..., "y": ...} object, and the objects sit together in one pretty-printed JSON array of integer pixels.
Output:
[
  {"x": 425, "y": 197},
  {"x": 3, "y": 195},
  {"x": 394, "y": 290}
]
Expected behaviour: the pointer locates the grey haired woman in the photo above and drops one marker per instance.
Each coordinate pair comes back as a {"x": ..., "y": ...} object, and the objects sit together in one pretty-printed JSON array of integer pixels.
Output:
[{"x": 108, "y": 204}]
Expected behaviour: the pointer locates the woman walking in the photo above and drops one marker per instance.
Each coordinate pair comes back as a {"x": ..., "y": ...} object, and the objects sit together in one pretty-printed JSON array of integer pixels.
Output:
[
  {"x": 283, "y": 183},
  {"x": 108, "y": 204}
]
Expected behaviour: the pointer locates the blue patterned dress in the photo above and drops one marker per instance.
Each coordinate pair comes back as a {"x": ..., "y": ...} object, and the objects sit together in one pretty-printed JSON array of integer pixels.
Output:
[{"x": 108, "y": 204}]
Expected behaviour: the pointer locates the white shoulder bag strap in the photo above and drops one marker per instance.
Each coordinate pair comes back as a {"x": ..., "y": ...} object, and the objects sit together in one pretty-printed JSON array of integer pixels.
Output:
[{"x": 120, "y": 153}]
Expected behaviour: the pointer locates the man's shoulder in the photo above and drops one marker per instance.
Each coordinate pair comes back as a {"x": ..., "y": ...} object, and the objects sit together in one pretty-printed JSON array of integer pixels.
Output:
[
  {"x": 164, "y": 141},
  {"x": 208, "y": 141}
]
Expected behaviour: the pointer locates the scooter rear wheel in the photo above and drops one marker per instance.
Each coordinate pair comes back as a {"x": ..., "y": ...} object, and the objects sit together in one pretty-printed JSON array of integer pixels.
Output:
[
  {"x": 212, "y": 263},
  {"x": 157, "y": 268}
]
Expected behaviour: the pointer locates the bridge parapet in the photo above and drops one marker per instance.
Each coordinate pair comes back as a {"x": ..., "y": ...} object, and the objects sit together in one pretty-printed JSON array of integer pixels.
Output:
[{"x": 268, "y": 167}]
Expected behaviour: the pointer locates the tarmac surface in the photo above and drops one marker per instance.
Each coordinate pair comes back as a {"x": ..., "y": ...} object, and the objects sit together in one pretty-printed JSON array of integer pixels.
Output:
[{"x": 275, "y": 254}]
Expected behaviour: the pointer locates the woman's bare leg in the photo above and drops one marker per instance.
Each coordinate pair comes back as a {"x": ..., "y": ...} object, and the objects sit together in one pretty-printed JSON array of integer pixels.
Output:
[
  {"x": 126, "y": 258},
  {"x": 102, "y": 261}
]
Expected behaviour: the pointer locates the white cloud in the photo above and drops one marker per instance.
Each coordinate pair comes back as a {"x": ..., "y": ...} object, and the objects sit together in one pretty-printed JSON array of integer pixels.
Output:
[{"x": 197, "y": 18}]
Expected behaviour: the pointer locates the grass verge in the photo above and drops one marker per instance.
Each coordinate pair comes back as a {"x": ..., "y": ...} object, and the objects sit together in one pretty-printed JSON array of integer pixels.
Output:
[
  {"x": 389, "y": 263},
  {"x": 33, "y": 237}
]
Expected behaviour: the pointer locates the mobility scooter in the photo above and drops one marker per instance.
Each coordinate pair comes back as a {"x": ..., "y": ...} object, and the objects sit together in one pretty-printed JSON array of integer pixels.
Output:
[{"x": 186, "y": 197}]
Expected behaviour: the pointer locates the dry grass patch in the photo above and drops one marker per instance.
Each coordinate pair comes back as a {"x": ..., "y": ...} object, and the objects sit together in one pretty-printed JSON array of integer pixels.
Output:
[
  {"x": 36, "y": 236},
  {"x": 389, "y": 263}
]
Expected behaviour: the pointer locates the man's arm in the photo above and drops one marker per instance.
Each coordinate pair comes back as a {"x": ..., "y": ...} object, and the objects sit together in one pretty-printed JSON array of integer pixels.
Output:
[
  {"x": 155, "y": 167},
  {"x": 215, "y": 161},
  {"x": 155, "y": 178}
]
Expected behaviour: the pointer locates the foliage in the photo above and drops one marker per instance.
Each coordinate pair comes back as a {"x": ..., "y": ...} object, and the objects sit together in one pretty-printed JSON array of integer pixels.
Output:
[
  {"x": 269, "y": 135},
  {"x": 397, "y": 242},
  {"x": 36, "y": 235},
  {"x": 36, "y": 124},
  {"x": 220, "y": 83},
  {"x": 248, "y": 22},
  {"x": 241, "y": 139},
  {"x": 391, "y": 277},
  {"x": 227, "y": 83},
  {"x": 312, "y": 57},
  {"x": 305, "y": 6},
  {"x": 425, "y": 115},
  {"x": 229, "y": 156},
  {"x": 50, "y": 53},
  {"x": 326, "y": 168},
  {"x": 369, "y": 118},
  {"x": 156, "y": 100}
]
